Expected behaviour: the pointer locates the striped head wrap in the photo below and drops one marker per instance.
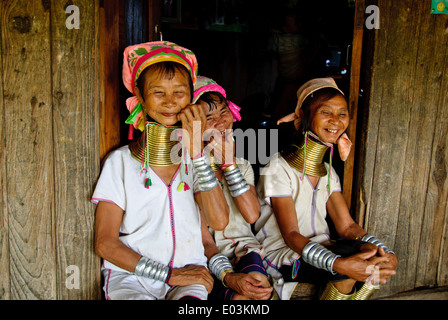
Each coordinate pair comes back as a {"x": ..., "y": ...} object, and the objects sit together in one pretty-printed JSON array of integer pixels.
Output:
[{"x": 138, "y": 57}]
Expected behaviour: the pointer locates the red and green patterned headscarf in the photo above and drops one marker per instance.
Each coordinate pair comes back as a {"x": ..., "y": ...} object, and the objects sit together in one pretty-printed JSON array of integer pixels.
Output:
[{"x": 138, "y": 57}]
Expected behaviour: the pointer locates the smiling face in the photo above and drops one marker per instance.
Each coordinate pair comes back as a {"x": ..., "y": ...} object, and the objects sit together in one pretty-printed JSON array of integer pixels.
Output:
[
  {"x": 165, "y": 95},
  {"x": 217, "y": 113},
  {"x": 330, "y": 118}
]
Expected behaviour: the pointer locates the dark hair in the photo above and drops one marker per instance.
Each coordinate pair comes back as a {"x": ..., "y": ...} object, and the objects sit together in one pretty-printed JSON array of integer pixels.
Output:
[
  {"x": 317, "y": 97},
  {"x": 212, "y": 99},
  {"x": 165, "y": 69}
]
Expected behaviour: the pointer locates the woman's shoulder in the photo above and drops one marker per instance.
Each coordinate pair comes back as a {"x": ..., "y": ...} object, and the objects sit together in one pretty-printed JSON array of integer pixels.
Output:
[{"x": 121, "y": 154}]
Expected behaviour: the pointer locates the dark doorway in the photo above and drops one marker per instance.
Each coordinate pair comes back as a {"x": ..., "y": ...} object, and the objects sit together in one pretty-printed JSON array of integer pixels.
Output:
[{"x": 261, "y": 51}]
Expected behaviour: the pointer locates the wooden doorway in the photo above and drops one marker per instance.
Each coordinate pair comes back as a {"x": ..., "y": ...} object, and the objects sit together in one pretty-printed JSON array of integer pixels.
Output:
[{"x": 121, "y": 18}]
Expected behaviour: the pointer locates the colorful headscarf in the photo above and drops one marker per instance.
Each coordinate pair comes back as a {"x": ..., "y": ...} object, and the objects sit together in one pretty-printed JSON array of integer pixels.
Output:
[
  {"x": 204, "y": 85},
  {"x": 138, "y": 57},
  {"x": 344, "y": 143}
]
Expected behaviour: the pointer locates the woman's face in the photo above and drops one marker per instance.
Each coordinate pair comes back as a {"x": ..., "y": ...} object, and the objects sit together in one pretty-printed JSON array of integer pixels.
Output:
[
  {"x": 219, "y": 119},
  {"x": 330, "y": 119},
  {"x": 164, "y": 97}
]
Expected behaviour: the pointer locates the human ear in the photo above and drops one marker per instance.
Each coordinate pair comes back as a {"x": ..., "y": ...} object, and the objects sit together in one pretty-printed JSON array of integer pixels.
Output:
[
  {"x": 139, "y": 95},
  {"x": 298, "y": 119}
]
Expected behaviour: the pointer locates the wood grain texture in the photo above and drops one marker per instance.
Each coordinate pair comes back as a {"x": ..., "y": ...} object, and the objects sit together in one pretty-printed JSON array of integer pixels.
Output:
[
  {"x": 49, "y": 129},
  {"x": 422, "y": 211},
  {"x": 4, "y": 238},
  {"x": 353, "y": 98},
  {"x": 75, "y": 68},
  {"x": 439, "y": 167},
  {"x": 110, "y": 77},
  {"x": 28, "y": 148},
  {"x": 404, "y": 187}
]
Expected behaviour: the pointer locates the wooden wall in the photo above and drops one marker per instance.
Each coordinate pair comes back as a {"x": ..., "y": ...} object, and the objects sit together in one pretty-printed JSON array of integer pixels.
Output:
[
  {"x": 49, "y": 129},
  {"x": 403, "y": 186}
]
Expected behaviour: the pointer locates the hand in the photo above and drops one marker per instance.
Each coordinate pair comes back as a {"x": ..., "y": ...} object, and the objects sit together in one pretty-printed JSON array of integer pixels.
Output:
[
  {"x": 193, "y": 127},
  {"x": 223, "y": 147},
  {"x": 360, "y": 266},
  {"x": 391, "y": 262},
  {"x": 191, "y": 274},
  {"x": 253, "y": 286}
]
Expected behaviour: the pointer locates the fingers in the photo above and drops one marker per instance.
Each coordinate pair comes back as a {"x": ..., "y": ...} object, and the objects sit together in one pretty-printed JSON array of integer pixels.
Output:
[
  {"x": 190, "y": 113},
  {"x": 193, "y": 126},
  {"x": 376, "y": 260},
  {"x": 366, "y": 254},
  {"x": 192, "y": 274},
  {"x": 253, "y": 288},
  {"x": 206, "y": 278}
]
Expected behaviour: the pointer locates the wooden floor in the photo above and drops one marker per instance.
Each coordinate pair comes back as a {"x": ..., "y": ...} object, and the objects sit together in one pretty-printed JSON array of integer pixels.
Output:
[
  {"x": 305, "y": 291},
  {"x": 425, "y": 294}
]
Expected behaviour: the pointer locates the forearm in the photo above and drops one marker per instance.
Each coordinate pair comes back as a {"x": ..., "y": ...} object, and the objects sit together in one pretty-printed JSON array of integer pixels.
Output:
[
  {"x": 248, "y": 205},
  {"x": 114, "y": 251},
  {"x": 108, "y": 246},
  {"x": 210, "y": 199},
  {"x": 214, "y": 208},
  {"x": 210, "y": 248},
  {"x": 352, "y": 232},
  {"x": 295, "y": 241}
]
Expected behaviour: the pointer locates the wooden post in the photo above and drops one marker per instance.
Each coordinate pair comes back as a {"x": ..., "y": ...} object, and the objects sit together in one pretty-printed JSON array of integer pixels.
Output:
[
  {"x": 75, "y": 66},
  {"x": 4, "y": 228},
  {"x": 29, "y": 170},
  {"x": 405, "y": 170},
  {"x": 111, "y": 60},
  {"x": 50, "y": 159},
  {"x": 154, "y": 19},
  {"x": 355, "y": 74}
]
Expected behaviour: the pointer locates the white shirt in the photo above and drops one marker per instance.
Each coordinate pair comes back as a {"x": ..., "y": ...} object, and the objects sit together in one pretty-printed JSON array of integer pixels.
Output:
[
  {"x": 159, "y": 223},
  {"x": 237, "y": 239},
  {"x": 279, "y": 179}
]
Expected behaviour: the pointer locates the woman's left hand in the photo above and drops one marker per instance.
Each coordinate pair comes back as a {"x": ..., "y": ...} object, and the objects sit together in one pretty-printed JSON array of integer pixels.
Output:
[{"x": 249, "y": 286}]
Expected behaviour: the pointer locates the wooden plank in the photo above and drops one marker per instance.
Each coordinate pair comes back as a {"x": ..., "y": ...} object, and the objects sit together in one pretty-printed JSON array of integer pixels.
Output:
[
  {"x": 355, "y": 75},
  {"x": 75, "y": 66},
  {"x": 404, "y": 187},
  {"x": 373, "y": 57},
  {"x": 25, "y": 35},
  {"x": 392, "y": 94},
  {"x": 4, "y": 241},
  {"x": 413, "y": 236},
  {"x": 432, "y": 254},
  {"x": 423, "y": 294},
  {"x": 110, "y": 77},
  {"x": 442, "y": 273}
]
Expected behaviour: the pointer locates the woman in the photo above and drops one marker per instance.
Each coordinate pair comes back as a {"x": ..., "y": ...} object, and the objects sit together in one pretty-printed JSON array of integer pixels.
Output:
[
  {"x": 148, "y": 227},
  {"x": 246, "y": 278},
  {"x": 299, "y": 190}
]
